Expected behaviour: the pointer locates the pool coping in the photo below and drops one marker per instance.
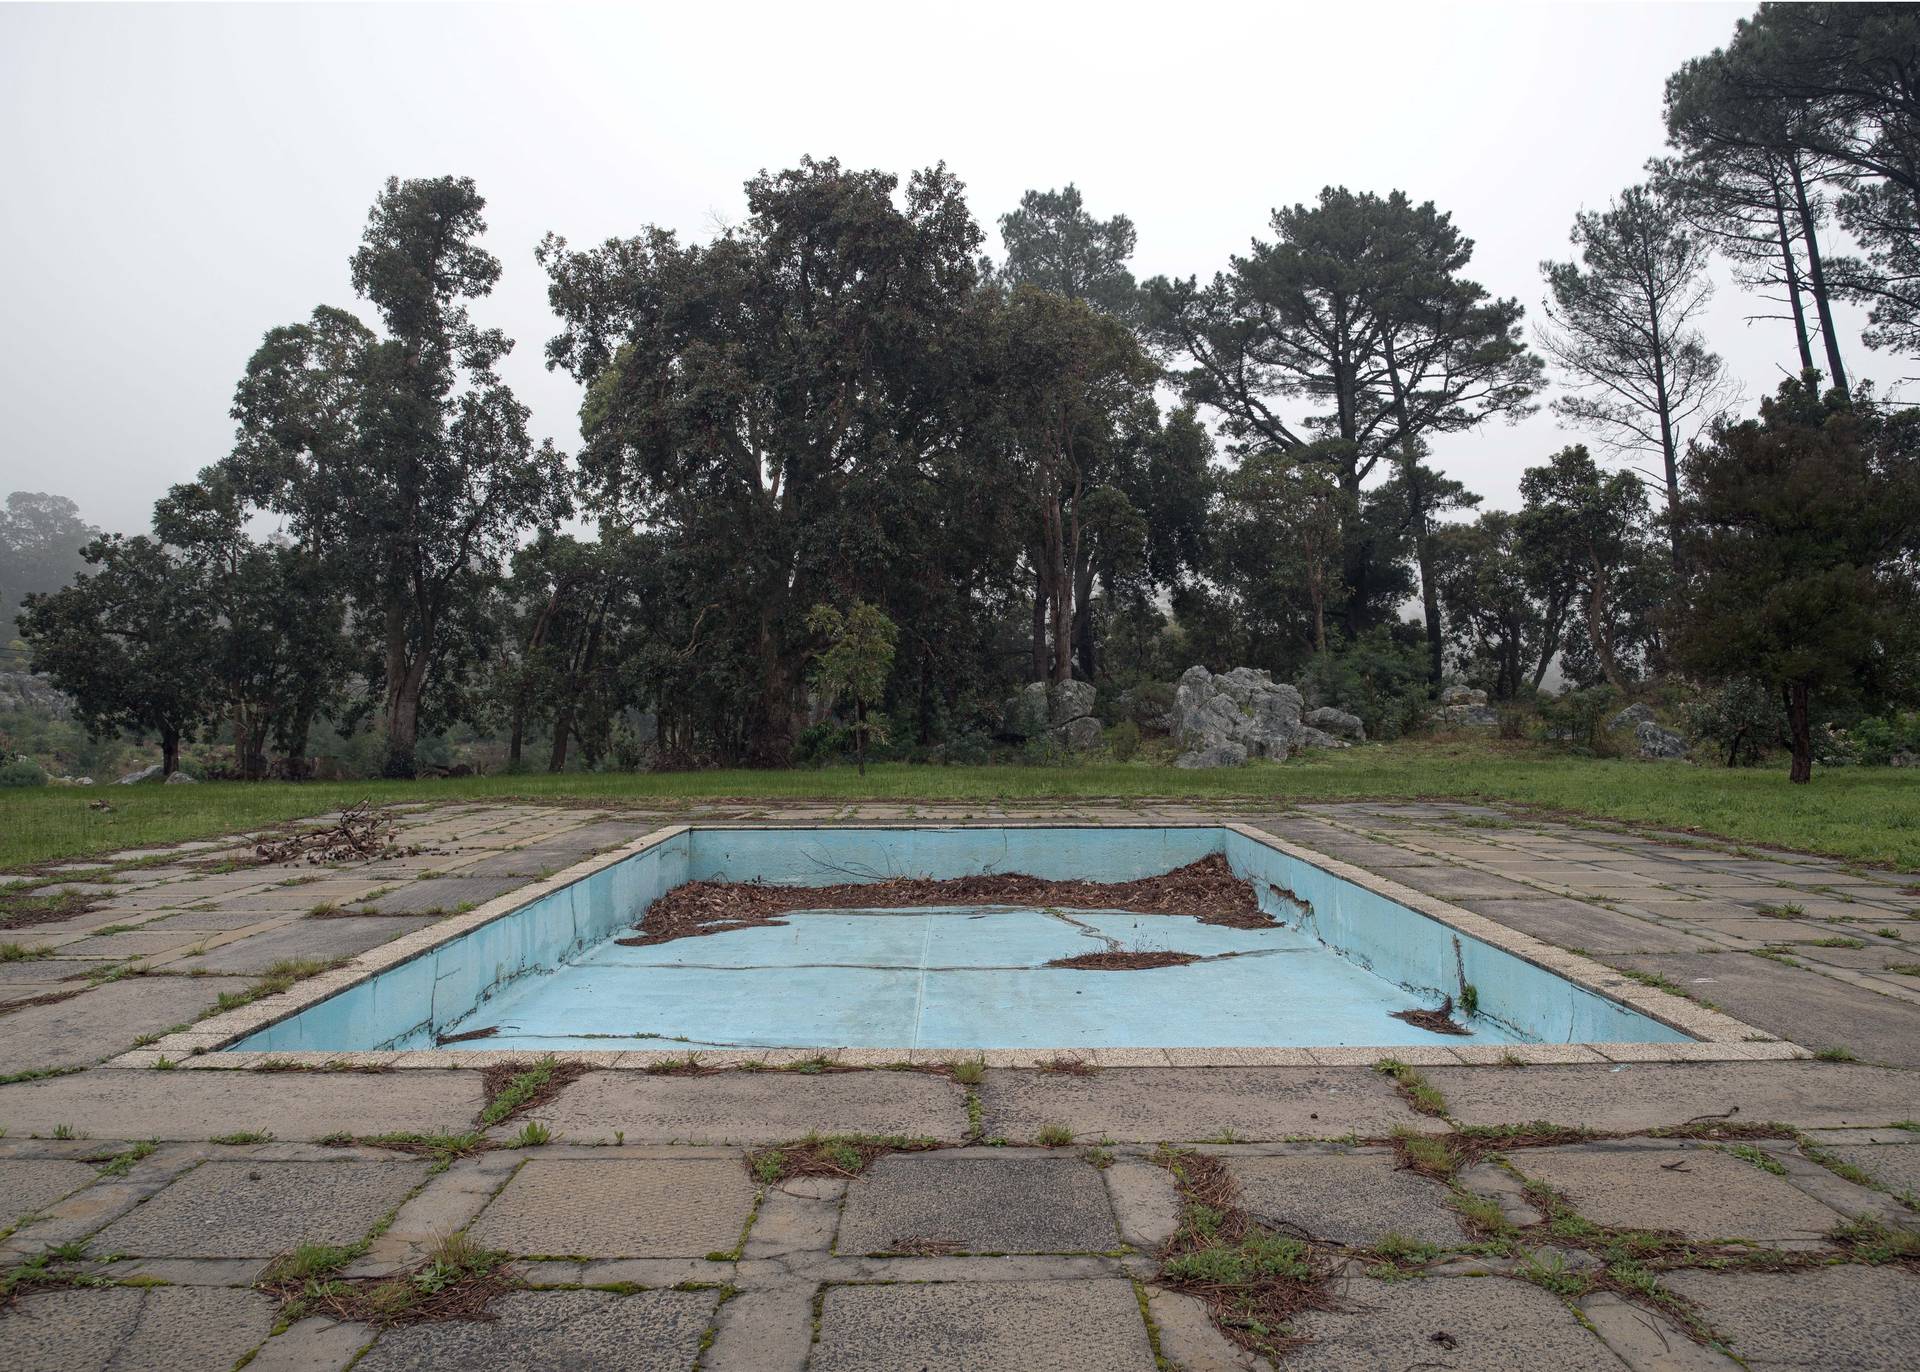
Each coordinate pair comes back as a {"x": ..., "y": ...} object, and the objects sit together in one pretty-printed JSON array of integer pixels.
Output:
[{"x": 1715, "y": 1036}]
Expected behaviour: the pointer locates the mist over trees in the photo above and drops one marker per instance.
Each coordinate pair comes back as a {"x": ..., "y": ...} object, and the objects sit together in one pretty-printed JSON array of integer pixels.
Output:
[{"x": 853, "y": 470}]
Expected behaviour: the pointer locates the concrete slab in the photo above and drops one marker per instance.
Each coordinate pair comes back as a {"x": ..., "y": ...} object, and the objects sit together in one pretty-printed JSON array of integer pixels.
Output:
[
  {"x": 1798, "y": 1005},
  {"x": 536, "y": 1331},
  {"x": 321, "y": 939},
  {"x": 1895, "y": 1166},
  {"x": 257, "y": 1209},
  {"x": 30, "y": 1185},
  {"x": 1011, "y": 1203},
  {"x": 1348, "y": 1198},
  {"x": 1047, "y": 1326},
  {"x": 202, "y": 1105},
  {"x": 1699, "y": 1192},
  {"x": 753, "y": 1107},
  {"x": 1144, "y": 1105},
  {"x": 443, "y": 895},
  {"x": 1834, "y": 1319},
  {"x": 38, "y": 970},
  {"x": 1632, "y": 1097},
  {"x": 160, "y": 1329},
  {"x": 620, "y": 1208},
  {"x": 1574, "y": 924},
  {"x": 102, "y": 1021},
  {"x": 1464, "y": 1324}
]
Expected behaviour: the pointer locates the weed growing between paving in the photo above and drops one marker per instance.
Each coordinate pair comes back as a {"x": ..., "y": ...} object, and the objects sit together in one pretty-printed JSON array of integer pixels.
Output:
[
  {"x": 515, "y": 1087},
  {"x": 829, "y": 1155},
  {"x": 1414, "y": 1088},
  {"x": 1253, "y": 1281},
  {"x": 458, "y": 1281},
  {"x": 443, "y": 1149}
]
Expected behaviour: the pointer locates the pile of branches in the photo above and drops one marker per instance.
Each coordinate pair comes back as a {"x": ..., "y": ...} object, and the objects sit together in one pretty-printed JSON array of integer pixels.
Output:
[
  {"x": 1206, "y": 890},
  {"x": 363, "y": 833}
]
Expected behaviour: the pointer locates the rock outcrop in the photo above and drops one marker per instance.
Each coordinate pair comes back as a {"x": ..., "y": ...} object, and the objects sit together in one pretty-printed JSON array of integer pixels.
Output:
[
  {"x": 1463, "y": 707},
  {"x": 1331, "y": 720},
  {"x": 1063, "y": 709},
  {"x": 1221, "y": 721},
  {"x": 1655, "y": 742}
]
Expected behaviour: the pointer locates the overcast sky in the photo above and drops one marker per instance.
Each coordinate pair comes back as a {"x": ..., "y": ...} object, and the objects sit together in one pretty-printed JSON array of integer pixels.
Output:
[{"x": 176, "y": 180}]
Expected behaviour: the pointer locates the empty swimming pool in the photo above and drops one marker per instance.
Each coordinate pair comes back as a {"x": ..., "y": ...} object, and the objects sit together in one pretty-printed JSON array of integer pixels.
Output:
[{"x": 1335, "y": 962}]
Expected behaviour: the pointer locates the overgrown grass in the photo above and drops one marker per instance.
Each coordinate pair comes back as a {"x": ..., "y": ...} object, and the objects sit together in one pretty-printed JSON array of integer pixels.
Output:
[{"x": 1869, "y": 814}]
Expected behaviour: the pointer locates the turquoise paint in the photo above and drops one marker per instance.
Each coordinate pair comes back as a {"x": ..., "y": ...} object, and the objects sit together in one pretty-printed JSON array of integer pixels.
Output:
[{"x": 549, "y": 976}]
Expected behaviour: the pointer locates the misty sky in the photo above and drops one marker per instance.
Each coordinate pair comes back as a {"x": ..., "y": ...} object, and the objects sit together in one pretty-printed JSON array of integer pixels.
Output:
[{"x": 176, "y": 180}]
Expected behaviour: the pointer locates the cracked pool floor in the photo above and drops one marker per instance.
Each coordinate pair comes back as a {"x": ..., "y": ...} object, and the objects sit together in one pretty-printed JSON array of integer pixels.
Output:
[{"x": 958, "y": 978}]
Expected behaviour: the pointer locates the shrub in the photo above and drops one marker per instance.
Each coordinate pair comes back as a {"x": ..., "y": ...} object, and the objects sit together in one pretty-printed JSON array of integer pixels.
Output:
[
  {"x": 1742, "y": 716},
  {"x": 1124, "y": 739},
  {"x": 22, "y": 771},
  {"x": 1380, "y": 676},
  {"x": 1579, "y": 718},
  {"x": 1874, "y": 740}
]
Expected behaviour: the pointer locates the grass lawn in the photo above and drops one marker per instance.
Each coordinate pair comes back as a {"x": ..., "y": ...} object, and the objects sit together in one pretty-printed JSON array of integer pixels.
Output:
[{"x": 1870, "y": 815}]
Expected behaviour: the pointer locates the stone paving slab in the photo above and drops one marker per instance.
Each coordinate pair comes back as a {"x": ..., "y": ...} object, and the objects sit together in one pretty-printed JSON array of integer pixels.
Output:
[
  {"x": 443, "y": 895},
  {"x": 1462, "y": 1324},
  {"x": 1835, "y": 1319},
  {"x": 116, "y": 1104},
  {"x": 161, "y": 1329},
  {"x": 1349, "y": 1198},
  {"x": 30, "y": 1185},
  {"x": 37, "y": 970},
  {"x": 542, "y": 1331},
  {"x": 1012, "y": 1203},
  {"x": 1895, "y": 1166},
  {"x": 1701, "y": 1193},
  {"x": 257, "y": 1209},
  {"x": 1798, "y": 1005},
  {"x": 101, "y": 1021},
  {"x": 1054, "y": 1326},
  {"x": 754, "y": 1107},
  {"x": 321, "y": 939},
  {"x": 1149, "y": 1105},
  {"x": 1811, "y": 1095},
  {"x": 1574, "y": 924},
  {"x": 130, "y": 943},
  {"x": 625, "y": 1208}
]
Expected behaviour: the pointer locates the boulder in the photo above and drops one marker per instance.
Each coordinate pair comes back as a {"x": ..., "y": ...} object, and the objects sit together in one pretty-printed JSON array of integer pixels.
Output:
[
  {"x": 1068, "y": 701},
  {"x": 1338, "y": 723},
  {"x": 1462, "y": 695},
  {"x": 1026, "y": 713},
  {"x": 1632, "y": 717},
  {"x": 1470, "y": 714},
  {"x": 1219, "y": 755},
  {"x": 1656, "y": 742},
  {"x": 1244, "y": 708},
  {"x": 180, "y": 779},
  {"x": 144, "y": 774},
  {"x": 1904, "y": 759},
  {"x": 1081, "y": 735}
]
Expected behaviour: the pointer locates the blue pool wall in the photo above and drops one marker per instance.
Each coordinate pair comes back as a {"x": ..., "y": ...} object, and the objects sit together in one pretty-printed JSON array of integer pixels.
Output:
[{"x": 405, "y": 1006}]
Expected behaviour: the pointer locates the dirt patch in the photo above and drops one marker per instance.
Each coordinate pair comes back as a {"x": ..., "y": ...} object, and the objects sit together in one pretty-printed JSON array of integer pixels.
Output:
[
  {"x": 1122, "y": 961},
  {"x": 1439, "y": 1021},
  {"x": 1206, "y": 890}
]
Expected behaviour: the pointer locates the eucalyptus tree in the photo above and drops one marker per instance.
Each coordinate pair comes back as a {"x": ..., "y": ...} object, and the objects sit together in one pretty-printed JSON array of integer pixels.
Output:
[
  {"x": 757, "y": 398},
  {"x": 403, "y": 458},
  {"x": 1620, "y": 326}
]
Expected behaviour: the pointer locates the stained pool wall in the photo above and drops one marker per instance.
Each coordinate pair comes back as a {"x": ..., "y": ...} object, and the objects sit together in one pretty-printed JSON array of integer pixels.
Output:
[{"x": 405, "y": 1006}]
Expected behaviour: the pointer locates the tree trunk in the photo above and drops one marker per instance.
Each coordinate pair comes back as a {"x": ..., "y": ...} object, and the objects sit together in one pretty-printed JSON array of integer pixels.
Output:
[
  {"x": 1792, "y": 267},
  {"x": 1430, "y": 602},
  {"x": 1800, "y": 724},
  {"x": 1083, "y": 620},
  {"x": 1599, "y": 638},
  {"x": 404, "y": 680},
  {"x": 772, "y": 744},
  {"x": 169, "y": 750},
  {"x": 860, "y": 736},
  {"x": 1817, "y": 283},
  {"x": 295, "y": 763},
  {"x": 1039, "y": 621}
]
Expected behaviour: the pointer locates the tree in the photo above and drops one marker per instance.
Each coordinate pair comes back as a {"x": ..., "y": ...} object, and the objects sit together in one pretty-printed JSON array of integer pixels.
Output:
[
  {"x": 1505, "y": 624},
  {"x": 41, "y": 537},
  {"x": 768, "y": 397},
  {"x": 1357, "y": 311},
  {"x": 403, "y": 459},
  {"x": 1619, "y": 325},
  {"x": 1595, "y": 523},
  {"x": 1804, "y": 528},
  {"x": 855, "y": 664},
  {"x": 1831, "y": 90},
  {"x": 276, "y": 650},
  {"x": 1053, "y": 244},
  {"x": 130, "y": 642}
]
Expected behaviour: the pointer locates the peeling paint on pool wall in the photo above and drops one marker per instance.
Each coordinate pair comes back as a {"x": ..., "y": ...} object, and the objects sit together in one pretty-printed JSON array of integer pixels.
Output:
[{"x": 1340, "y": 960}]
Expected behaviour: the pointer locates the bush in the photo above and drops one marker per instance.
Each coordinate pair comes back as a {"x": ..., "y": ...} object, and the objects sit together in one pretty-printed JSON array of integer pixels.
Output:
[
  {"x": 1124, "y": 739},
  {"x": 1874, "y": 740},
  {"x": 1380, "y": 676},
  {"x": 1579, "y": 719},
  {"x": 22, "y": 771},
  {"x": 1742, "y": 716},
  {"x": 969, "y": 748}
]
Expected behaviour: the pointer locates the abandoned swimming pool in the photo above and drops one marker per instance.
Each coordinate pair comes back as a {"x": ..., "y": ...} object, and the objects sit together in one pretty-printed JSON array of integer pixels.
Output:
[{"x": 1341, "y": 959}]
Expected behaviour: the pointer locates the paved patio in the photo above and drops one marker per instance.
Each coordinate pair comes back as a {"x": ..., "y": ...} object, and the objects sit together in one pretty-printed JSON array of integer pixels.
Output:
[{"x": 641, "y": 1238}]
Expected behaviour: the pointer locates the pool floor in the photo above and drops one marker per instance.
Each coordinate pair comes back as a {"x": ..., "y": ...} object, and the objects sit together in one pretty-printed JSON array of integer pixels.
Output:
[{"x": 957, "y": 978}]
